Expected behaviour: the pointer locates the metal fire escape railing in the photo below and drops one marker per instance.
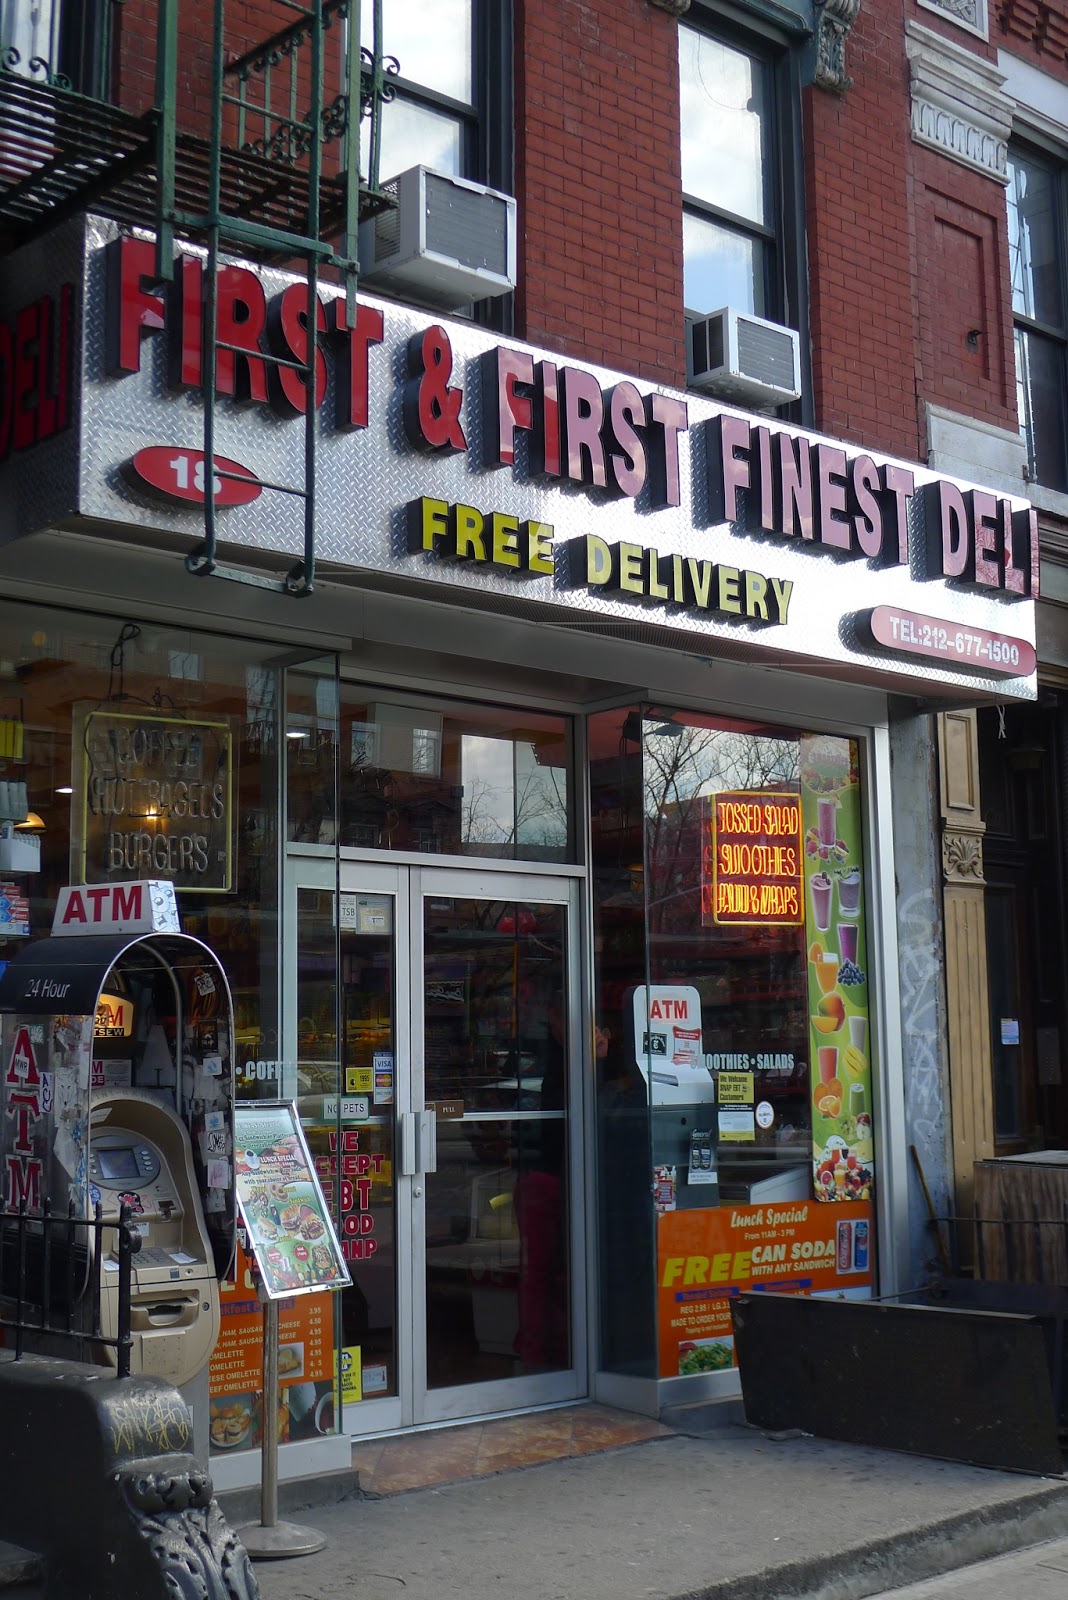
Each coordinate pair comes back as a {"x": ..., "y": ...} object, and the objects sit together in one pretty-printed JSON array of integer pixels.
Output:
[{"x": 275, "y": 177}]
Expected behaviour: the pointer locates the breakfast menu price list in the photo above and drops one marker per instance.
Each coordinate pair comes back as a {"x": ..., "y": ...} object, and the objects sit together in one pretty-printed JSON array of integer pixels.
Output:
[{"x": 305, "y": 1364}]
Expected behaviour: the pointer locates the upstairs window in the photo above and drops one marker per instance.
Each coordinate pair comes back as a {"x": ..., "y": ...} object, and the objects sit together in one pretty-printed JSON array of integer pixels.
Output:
[
  {"x": 450, "y": 108},
  {"x": 1037, "y": 265},
  {"x": 731, "y": 251}
]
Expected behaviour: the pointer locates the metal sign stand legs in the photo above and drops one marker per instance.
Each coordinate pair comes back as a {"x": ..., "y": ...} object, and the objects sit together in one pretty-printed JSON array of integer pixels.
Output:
[{"x": 274, "y": 1540}]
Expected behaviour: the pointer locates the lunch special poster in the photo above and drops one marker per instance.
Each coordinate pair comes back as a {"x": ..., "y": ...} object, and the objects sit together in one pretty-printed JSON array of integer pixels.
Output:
[
  {"x": 837, "y": 970},
  {"x": 282, "y": 1204},
  {"x": 706, "y": 1258}
]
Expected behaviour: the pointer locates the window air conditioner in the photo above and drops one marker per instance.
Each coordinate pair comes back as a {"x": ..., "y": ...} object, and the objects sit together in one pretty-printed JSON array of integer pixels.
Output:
[
  {"x": 443, "y": 240},
  {"x": 744, "y": 358}
]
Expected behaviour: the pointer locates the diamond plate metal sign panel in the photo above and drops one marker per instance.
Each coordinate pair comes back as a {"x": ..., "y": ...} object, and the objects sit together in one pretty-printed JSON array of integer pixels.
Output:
[{"x": 455, "y": 463}]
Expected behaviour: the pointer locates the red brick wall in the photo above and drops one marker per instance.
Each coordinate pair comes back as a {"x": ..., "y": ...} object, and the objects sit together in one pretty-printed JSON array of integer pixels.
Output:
[
  {"x": 859, "y": 220},
  {"x": 965, "y": 324},
  {"x": 598, "y": 183}
]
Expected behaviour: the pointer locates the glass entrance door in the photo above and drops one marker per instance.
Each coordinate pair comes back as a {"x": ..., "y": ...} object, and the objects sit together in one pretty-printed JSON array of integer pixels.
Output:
[{"x": 455, "y": 1135}]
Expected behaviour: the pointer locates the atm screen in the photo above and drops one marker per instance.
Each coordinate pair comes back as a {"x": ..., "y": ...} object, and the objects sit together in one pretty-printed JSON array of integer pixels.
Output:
[{"x": 117, "y": 1161}]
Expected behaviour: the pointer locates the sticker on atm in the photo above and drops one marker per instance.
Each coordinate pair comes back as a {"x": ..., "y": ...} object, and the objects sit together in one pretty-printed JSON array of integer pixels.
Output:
[{"x": 359, "y": 1080}]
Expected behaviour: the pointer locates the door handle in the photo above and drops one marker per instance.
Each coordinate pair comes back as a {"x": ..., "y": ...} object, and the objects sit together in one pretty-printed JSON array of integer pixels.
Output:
[
  {"x": 409, "y": 1161},
  {"x": 427, "y": 1140}
]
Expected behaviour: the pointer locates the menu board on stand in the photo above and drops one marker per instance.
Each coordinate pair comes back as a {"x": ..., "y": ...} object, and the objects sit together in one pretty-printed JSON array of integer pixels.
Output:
[{"x": 292, "y": 1253}]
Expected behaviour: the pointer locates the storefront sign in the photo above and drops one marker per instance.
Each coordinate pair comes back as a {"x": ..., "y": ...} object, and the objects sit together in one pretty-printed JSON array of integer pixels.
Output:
[
  {"x": 667, "y": 1042},
  {"x": 614, "y": 495},
  {"x": 705, "y": 1258},
  {"x": 178, "y": 474},
  {"x": 282, "y": 1206},
  {"x": 36, "y": 344},
  {"x": 755, "y": 860},
  {"x": 357, "y": 1181},
  {"x": 156, "y": 799},
  {"x": 134, "y": 908}
]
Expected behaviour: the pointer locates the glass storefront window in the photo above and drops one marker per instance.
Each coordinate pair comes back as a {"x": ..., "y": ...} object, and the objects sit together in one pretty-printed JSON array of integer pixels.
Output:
[
  {"x": 429, "y": 776},
  {"x": 732, "y": 976}
]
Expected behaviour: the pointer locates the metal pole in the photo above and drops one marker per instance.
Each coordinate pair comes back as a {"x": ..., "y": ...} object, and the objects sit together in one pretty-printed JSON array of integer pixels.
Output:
[
  {"x": 269, "y": 1488},
  {"x": 273, "y": 1540}
]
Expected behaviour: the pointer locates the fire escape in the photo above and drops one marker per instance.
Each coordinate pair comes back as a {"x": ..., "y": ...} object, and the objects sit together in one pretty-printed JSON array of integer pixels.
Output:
[{"x": 251, "y": 149}]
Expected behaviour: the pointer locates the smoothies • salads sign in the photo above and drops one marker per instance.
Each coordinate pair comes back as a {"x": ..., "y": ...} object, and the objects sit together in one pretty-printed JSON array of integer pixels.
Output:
[{"x": 837, "y": 971}]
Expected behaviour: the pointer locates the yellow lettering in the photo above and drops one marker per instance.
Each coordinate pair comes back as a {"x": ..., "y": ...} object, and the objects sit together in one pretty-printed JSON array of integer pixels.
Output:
[
  {"x": 630, "y": 568},
  {"x": 598, "y": 562},
  {"x": 741, "y": 1268},
  {"x": 672, "y": 1271},
  {"x": 427, "y": 523},
  {"x": 504, "y": 540},
  {"x": 729, "y": 590},
  {"x": 467, "y": 526},
  {"x": 539, "y": 547},
  {"x": 756, "y": 595},
  {"x": 696, "y": 1270},
  {"x": 721, "y": 1267}
]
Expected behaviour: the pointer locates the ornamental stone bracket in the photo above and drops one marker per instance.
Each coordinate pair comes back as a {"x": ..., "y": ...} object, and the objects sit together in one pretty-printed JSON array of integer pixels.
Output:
[
  {"x": 958, "y": 104},
  {"x": 675, "y": 8},
  {"x": 962, "y": 820},
  {"x": 834, "y": 18},
  {"x": 962, "y": 858}
]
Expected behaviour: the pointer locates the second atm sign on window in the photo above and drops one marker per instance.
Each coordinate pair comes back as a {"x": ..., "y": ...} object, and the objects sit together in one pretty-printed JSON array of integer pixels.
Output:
[{"x": 755, "y": 872}]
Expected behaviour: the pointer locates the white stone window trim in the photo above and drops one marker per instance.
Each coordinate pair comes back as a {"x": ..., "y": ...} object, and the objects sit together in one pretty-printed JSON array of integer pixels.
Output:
[
  {"x": 958, "y": 103},
  {"x": 955, "y": 11}
]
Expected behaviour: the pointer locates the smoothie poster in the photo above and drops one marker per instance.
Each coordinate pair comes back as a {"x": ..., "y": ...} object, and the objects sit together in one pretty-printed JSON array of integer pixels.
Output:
[{"x": 837, "y": 970}]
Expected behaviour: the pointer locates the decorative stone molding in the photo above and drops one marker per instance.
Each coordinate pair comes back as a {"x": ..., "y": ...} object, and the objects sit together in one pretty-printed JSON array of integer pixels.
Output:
[
  {"x": 958, "y": 104},
  {"x": 834, "y": 18},
  {"x": 962, "y": 858},
  {"x": 968, "y": 14},
  {"x": 676, "y": 8}
]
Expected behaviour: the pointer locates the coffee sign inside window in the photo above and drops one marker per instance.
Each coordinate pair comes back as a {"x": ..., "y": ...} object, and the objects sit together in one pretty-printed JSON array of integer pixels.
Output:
[{"x": 154, "y": 799}]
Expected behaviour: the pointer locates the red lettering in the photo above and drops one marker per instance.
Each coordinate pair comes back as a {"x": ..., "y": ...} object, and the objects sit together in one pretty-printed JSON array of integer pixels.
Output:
[
  {"x": 27, "y": 358},
  {"x": 626, "y": 414},
  {"x": 187, "y": 361},
  {"x": 127, "y": 902},
  {"x": 133, "y": 310},
  {"x": 727, "y": 442},
  {"x": 505, "y": 408},
  {"x": 667, "y": 418},
  {"x": 240, "y": 319},
  {"x": 831, "y": 496},
  {"x": 74, "y": 910},
  {"x": 547, "y": 440},
  {"x": 583, "y": 418},
  {"x": 352, "y": 374},
  {"x": 289, "y": 325},
  {"x": 23, "y": 1183}
]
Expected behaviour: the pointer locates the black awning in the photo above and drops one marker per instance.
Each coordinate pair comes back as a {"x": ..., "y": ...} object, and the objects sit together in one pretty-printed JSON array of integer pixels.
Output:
[{"x": 64, "y": 974}]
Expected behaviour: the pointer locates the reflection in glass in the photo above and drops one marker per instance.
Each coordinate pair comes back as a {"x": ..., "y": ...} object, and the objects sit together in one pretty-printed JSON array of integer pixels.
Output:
[
  {"x": 431, "y": 43},
  {"x": 1040, "y": 397},
  {"x": 723, "y": 132},
  {"x": 413, "y": 135},
  {"x": 433, "y": 777},
  {"x": 354, "y": 1159},
  {"x": 1033, "y": 236},
  {"x": 497, "y": 1284},
  {"x": 720, "y": 268}
]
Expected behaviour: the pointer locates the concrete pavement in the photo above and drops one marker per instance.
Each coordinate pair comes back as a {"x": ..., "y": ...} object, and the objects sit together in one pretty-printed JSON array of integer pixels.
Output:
[
  {"x": 732, "y": 1513},
  {"x": 1037, "y": 1574}
]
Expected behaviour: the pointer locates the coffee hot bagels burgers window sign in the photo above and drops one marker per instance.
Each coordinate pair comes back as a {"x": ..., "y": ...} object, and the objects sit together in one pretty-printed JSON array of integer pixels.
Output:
[{"x": 450, "y": 457}]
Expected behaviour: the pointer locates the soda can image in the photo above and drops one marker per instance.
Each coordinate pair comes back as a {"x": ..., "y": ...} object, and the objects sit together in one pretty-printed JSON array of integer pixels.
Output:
[
  {"x": 844, "y": 1246},
  {"x": 860, "y": 1247}
]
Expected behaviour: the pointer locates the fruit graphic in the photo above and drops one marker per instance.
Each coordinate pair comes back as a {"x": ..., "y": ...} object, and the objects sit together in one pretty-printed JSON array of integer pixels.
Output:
[
  {"x": 828, "y": 1098},
  {"x": 855, "y": 1061},
  {"x": 830, "y": 1014}
]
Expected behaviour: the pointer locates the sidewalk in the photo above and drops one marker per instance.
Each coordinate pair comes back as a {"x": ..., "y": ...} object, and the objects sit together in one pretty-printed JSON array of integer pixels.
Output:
[{"x": 731, "y": 1513}]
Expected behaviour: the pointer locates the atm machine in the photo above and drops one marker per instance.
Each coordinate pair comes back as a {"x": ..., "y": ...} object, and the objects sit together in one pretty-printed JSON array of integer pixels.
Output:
[
  {"x": 117, "y": 1084},
  {"x": 140, "y": 1153}
]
